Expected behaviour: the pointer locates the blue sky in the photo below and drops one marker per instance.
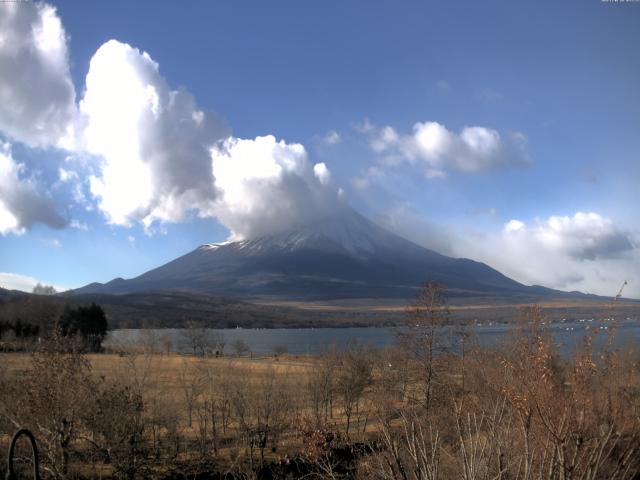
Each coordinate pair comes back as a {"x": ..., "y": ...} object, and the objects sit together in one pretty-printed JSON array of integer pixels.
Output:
[{"x": 502, "y": 131}]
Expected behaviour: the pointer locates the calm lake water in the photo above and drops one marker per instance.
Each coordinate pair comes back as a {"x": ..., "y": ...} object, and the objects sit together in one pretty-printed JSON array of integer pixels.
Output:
[{"x": 314, "y": 340}]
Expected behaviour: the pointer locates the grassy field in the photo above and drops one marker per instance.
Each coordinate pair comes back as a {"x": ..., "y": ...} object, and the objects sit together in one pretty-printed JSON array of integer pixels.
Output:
[
  {"x": 167, "y": 366},
  {"x": 164, "y": 374}
]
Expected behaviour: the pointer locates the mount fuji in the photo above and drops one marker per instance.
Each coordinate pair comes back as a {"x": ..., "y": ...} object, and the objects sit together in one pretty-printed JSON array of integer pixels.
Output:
[{"x": 338, "y": 256}]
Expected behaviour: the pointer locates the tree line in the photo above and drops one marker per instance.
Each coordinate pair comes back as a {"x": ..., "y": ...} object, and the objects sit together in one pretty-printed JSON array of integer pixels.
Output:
[{"x": 29, "y": 319}]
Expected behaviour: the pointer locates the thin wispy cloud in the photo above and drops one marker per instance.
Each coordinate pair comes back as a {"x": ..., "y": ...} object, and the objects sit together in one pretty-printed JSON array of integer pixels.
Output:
[
  {"x": 78, "y": 225},
  {"x": 332, "y": 138},
  {"x": 489, "y": 96},
  {"x": 52, "y": 242}
]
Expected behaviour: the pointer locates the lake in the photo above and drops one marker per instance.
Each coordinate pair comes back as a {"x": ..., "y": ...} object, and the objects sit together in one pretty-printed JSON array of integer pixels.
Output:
[{"x": 305, "y": 341}]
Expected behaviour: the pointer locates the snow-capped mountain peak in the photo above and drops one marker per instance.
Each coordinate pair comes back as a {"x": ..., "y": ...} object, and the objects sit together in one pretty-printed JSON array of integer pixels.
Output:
[
  {"x": 337, "y": 256},
  {"x": 346, "y": 231}
]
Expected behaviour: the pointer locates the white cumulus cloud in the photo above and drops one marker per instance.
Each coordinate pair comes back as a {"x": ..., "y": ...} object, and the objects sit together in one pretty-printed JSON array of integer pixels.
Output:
[
  {"x": 514, "y": 226},
  {"x": 150, "y": 153},
  {"x": 322, "y": 173},
  {"x": 437, "y": 150},
  {"x": 268, "y": 185},
  {"x": 584, "y": 236},
  {"x": 154, "y": 142},
  {"x": 587, "y": 252},
  {"x": 584, "y": 251},
  {"x": 37, "y": 96}
]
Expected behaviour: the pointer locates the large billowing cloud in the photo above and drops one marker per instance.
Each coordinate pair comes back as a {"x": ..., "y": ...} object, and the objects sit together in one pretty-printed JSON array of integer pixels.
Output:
[
  {"x": 584, "y": 251},
  {"x": 37, "y": 97},
  {"x": 161, "y": 156},
  {"x": 437, "y": 150},
  {"x": 154, "y": 154},
  {"x": 21, "y": 205},
  {"x": 153, "y": 141},
  {"x": 268, "y": 185}
]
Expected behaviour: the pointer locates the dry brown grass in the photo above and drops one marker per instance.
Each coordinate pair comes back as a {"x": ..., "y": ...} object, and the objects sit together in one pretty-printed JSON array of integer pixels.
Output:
[{"x": 163, "y": 371}]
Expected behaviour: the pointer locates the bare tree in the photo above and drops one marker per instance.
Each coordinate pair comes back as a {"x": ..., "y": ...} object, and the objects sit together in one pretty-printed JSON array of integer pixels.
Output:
[
  {"x": 241, "y": 347},
  {"x": 41, "y": 289},
  {"x": 214, "y": 408},
  {"x": 262, "y": 411},
  {"x": 161, "y": 414},
  {"x": 218, "y": 341},
  {"x": 321, "y": 385},
  {"x": 421, "y": 337},
  {"x": 149, "y": 341},
  {"x": 353, "y": 377},
  {"x": 196, "y": 338},
  {"x": 167, "y": 343}
]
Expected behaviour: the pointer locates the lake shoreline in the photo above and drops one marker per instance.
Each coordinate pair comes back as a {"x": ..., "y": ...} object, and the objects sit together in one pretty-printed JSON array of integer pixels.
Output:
[{"x": 300, "y": 341}]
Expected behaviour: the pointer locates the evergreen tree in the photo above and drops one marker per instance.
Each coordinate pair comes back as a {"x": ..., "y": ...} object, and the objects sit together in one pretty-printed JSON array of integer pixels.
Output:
[{"x": 89, "y": 322}]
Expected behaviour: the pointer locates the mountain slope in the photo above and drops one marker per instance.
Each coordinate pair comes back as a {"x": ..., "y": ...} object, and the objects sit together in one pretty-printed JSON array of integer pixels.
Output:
[{"x": 341, "y": 256}]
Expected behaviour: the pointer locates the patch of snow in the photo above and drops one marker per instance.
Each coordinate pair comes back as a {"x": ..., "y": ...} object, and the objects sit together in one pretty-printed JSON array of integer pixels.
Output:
[{"x": 213, "y": 246}]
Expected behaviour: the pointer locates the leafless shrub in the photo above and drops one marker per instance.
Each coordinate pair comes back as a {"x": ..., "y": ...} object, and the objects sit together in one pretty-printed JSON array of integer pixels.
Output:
[
  {"x": 262, "y": 411},
  {"x": 318, "y": 453},
  {"x": 117, "y": 427},
  {"x": 410, "y": 451},
  {"x": 53, "y": 399},
  {"x": 280, "y": 350},
  {"x": 192, "y": 384}
]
